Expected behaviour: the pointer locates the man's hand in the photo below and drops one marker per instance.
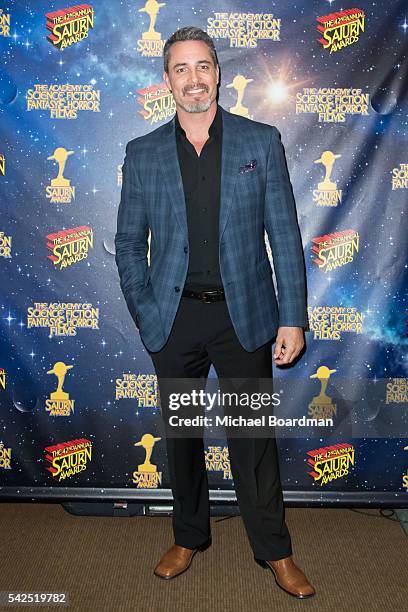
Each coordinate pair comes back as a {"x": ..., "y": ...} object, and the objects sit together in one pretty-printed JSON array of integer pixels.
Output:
[{"x": 289, "y": 343}]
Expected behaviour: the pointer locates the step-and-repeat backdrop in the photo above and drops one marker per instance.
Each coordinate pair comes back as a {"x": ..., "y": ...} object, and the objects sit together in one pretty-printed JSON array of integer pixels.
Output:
[{"x": 78, "y": 392}]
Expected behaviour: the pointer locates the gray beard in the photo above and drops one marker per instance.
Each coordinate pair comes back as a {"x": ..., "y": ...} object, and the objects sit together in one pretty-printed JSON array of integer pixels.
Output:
[{"x": 197, "y": 107}]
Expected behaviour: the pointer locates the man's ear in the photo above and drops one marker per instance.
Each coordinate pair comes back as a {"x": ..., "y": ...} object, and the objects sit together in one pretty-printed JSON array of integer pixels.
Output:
[{"x": 166, "y": 80}]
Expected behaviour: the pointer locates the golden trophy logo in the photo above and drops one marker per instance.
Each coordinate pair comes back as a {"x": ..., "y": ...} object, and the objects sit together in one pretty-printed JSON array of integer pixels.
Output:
[
  {"x": 157, "y": 103},
  {"x": 5, "y": 245},
  {"x": 321, "y": 405},
  {"x": 68, "y": 458},
  {"x": 340, "y": 29},
  {"x": 397, "y": 391},
  {"x": 2, "y": 379},
  {"x": 143, "y": 387},
  {"x": 69, "y": 246},
  {"x": 217, "y": 460},
  {"x": 400, "y": 177},
  {"x": 5, "y": 457},
  {"x": 151, "y": 44},
  {"x": 63, "y": 318},
  {"x": 2, "y": 165},
  {"x": 147, "y": 476},
  {"x": 69, "y": 26},
  {"x": 239, "y": 83},
  {"x": 5, "y": 23},
  {"x": 244, "y": 29},
  {"x": 405, "y": 476},
  {"x": 335, "y": 250},
  {"x": 331, "y": 462},
  {"x": 329, "y": 322},
  {"x": 60, "y": 189},
  {"x": 59, "y": 403},
  {"x": 327, "y": 193}
]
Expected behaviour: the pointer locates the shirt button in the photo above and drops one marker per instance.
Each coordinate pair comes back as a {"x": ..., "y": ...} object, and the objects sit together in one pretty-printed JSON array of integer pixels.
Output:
[
  {"x": 205, "y": 241},
  {"x": 176, "y": 289},
  {"x": 185, "y": 249}
]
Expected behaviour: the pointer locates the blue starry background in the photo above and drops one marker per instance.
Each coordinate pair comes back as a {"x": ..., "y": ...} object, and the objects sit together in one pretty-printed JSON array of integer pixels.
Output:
[{"x": 374, "y": 283}]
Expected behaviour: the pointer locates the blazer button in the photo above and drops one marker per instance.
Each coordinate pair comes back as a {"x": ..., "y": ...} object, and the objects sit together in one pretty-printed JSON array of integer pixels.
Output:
[
  {"x": 176, "y": 289},
  {"x": 185, "y": 249}
]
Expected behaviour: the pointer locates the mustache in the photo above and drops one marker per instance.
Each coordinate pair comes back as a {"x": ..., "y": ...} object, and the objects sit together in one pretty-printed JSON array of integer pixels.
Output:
[{"x": 198, "y": 86}]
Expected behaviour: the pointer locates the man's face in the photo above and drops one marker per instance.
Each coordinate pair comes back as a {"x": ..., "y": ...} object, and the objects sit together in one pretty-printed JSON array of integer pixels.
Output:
[{"x": 192, "y": 76}]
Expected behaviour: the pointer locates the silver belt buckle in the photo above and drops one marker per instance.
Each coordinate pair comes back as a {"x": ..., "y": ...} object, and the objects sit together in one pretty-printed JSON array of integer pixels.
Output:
[{"x": 206, "y": 298}]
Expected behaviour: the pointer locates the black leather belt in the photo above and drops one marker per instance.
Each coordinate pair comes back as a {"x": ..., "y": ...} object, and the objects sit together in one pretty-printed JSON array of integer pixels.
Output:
[{"x": 211, "y": 295}]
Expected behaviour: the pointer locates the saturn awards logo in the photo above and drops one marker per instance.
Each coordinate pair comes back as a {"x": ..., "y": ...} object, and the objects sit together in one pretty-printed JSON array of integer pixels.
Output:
[{"x": 70, "y": 25}]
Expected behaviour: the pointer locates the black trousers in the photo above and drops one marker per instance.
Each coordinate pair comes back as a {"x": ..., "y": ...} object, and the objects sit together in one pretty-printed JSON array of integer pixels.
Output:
[{"x": 202, "y": 334}]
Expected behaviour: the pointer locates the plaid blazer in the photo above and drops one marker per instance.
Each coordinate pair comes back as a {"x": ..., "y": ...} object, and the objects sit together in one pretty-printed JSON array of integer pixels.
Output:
[{"x": 256, "y": 195}]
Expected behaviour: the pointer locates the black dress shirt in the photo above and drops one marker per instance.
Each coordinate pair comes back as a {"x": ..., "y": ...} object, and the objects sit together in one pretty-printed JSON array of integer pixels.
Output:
[{"x": 201, "y": 176}]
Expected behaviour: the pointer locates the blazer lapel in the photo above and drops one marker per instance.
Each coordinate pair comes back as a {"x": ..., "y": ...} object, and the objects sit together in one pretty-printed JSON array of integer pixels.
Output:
[
  {"x": 229, "y": 167},
  {"x": 169, "y": 164}
]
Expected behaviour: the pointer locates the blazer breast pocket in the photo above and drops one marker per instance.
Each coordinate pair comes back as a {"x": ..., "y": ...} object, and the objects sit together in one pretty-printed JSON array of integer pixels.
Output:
[
  {"x": 248, "y": 175},
  {"x": 249, "y": 186}
]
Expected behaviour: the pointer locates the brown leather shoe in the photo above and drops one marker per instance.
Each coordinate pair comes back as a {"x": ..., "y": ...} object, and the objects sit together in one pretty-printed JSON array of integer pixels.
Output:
[
  {"x": 177, "y": 560},
  {"x": 289, "y": 577}
]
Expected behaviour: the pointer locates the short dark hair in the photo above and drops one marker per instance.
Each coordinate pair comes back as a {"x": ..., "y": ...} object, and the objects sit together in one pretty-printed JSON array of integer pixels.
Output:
[{"x": 188, "y": 33}]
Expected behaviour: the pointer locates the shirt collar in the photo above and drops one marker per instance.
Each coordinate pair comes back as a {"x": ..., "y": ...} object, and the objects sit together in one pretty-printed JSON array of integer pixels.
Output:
[{"x": 214, "y": 129}]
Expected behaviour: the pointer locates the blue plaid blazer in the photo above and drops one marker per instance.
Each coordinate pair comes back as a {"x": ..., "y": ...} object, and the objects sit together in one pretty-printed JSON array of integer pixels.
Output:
[{"x": 254, "y": 197}]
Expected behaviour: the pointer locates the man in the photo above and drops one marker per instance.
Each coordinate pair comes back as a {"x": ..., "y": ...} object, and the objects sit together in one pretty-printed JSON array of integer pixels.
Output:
[{"x": 207, "y": 184}]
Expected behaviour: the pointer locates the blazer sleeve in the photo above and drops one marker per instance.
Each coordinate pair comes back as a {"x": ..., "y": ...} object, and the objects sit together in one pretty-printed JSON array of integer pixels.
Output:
[
  {"x": 281, "y": 224},
  {"x": 131, "y": 239}
]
